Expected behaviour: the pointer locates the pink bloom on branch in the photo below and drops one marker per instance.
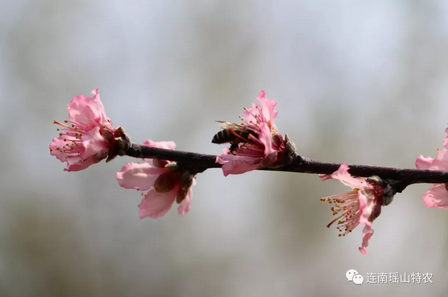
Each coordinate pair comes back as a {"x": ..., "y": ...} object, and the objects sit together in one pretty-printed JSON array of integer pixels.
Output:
[
  {"x": 438, "y": 195},
  {"x": 357, "y": 207},
  {"x": 440, "y": 162},
  {"x": 86, "y": 137},
  {"x": 264, "y": 147},
  {"x": 165, "y": 182}
]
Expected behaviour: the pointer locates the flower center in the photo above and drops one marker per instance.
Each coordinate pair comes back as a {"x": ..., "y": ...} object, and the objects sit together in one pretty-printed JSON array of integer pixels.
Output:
[
  {"x": 259, "y": 118},
  {"x": 71, "y": 137},
  {"x": 346, "y": 208}
]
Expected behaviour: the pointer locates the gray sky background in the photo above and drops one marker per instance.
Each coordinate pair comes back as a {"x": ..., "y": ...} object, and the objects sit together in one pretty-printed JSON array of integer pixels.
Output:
[{"x": 361, "y": 82}]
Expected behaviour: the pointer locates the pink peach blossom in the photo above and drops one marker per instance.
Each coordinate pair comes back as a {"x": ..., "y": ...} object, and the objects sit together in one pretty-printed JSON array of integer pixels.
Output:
[
  {"x": 438, "y": 195},
  {"x": 357, "y": 207},
  {"x": 265, "y": 145},
  {"x": 440, "y": 162},
  {"x": 164, "y": 181},
  {"x": 86, "y": 137}
]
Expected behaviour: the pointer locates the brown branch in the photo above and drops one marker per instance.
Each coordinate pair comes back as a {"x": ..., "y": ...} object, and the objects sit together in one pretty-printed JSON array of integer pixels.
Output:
[{"x": 199, "y": 162}]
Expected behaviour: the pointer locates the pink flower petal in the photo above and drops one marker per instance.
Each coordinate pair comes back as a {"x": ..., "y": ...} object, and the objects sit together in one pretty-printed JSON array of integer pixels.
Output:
[
  {"x": 324, "y": 177},
  {"x": 184, "y": 206},
  {"x": 86, "y": 110},
  {"x": 344, "y": 176},
  {"x": 84, "y": 163},
  {"x": 170, "y": 145},
  {"x": 423, "y": 163},
  {"x": 100, "y": 110},
  {"x": 367, "y": 233},
  {"x": 93, "y": 142},
  {"x": 138, "y": 176},
  {"x": 266, "y": 138},
  {"x": 232, "y": 164},
  {"x": 268, "y": 107},
  {"x": 366, "y": 205},
  {"x": 440, "y": 162},
  {"x": 436, "y": 197},
  {"x": 155, "y": 204}
]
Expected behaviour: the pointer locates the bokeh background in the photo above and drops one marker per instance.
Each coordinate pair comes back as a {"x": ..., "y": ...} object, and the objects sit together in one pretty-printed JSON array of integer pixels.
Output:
[{"x": 360, "y": 82}]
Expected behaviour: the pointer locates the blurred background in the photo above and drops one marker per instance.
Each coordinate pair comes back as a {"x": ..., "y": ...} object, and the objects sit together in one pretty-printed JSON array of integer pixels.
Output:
[{"x": 360, "y": 82}]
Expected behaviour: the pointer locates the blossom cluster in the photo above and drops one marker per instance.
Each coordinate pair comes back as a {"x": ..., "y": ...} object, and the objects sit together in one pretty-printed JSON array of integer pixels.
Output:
[{"x": 89, "y": 137}]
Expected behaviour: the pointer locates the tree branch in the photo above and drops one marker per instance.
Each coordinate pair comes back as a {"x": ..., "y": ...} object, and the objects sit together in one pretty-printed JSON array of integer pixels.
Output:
[{"x": 199, "y": 162}]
